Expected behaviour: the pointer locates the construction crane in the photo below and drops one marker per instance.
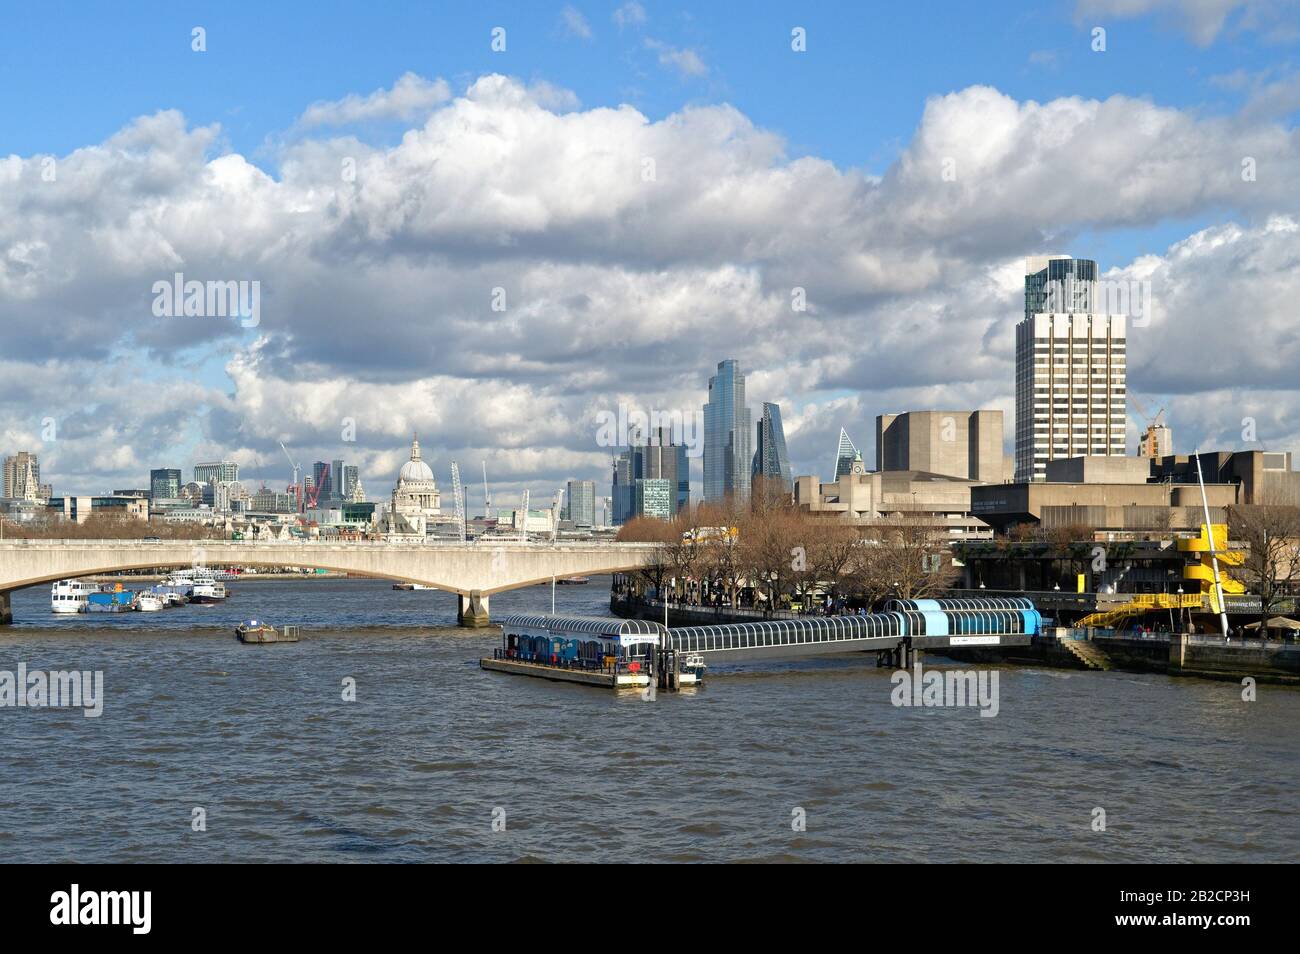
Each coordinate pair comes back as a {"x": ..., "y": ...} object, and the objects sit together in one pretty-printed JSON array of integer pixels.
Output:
[
  {"x": 523, "y": 524},
  {"x": 458, "y": 493},
  {"x": 1148, "y": 440},
  {"x": 555, "y": 514},
  {"x": 293, "y": 487},
  {"x": 487, "y": 498}
]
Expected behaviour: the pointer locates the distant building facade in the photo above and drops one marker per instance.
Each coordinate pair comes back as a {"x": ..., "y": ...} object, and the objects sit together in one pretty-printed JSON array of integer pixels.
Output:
[
  {"x": 165, "y": 483},
  {"x": 22, "y": 477},
  {"x": 213, "y": 472},
  {"x": 660, "y": 459},
  {"x": 965, "y": 444},
  {"x": 581, "y": 497}
]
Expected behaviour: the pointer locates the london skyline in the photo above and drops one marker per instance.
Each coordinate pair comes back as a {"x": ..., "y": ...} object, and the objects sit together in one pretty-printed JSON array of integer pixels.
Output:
[{"x": 382, "y": 314}]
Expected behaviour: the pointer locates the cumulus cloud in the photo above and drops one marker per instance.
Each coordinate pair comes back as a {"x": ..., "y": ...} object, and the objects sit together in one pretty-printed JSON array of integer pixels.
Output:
[
  {"x": 408, "y": 98},
  {"x": 514, "y": 265},
  {"x": 686, "y": 63}
]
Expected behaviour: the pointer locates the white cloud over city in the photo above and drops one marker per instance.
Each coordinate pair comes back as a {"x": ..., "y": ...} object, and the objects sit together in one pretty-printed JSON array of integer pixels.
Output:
[{"x": 633, "y": 254}]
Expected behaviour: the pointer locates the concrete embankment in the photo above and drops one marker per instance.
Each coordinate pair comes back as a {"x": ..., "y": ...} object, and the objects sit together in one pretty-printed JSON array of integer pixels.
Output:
[{"x": 1176, "y": 654}]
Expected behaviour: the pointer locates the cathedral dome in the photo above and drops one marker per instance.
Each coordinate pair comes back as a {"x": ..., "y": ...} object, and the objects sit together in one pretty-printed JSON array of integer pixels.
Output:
[{"x": 414, "y": 469}]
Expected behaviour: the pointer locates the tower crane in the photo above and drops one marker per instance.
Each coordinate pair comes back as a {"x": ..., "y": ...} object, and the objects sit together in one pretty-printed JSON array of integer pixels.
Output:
[
  {"x": 523, "y": 525},
  {"x": 555, "y": 514},
  {"x": 487, "y": 498},
  {"x": 458, "y": 493},
  {"x": 294, "y": 487}
]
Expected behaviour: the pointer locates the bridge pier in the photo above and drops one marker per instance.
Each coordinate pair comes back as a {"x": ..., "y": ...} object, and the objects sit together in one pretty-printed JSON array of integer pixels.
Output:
[
  {"x": 472, "y": 609},
  {"x": 6, "y": 611}
]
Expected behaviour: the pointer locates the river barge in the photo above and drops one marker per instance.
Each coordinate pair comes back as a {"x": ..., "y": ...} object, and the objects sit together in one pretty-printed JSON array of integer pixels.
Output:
[{"x": 589, "y": 650}]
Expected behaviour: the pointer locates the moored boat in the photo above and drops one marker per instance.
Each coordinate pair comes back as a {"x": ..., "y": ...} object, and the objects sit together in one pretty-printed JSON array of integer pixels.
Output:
[
  {"x": 117, "y": 601},
  {"x": 150, "y": 603},
  {"x": 595, "y": 651},
  {"x": 258, "y": 632},
  {"x": 69, "y": 596}
]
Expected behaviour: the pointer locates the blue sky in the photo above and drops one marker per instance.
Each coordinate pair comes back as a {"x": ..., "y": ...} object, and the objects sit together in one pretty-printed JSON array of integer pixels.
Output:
[{"x": 861, "y": 98}]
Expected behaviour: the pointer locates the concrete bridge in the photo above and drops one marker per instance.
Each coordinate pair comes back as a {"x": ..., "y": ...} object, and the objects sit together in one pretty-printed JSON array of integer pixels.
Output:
[{"x": 472, "y": 570}]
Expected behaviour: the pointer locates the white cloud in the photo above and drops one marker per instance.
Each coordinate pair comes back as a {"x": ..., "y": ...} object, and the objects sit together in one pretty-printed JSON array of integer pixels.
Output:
[
  {"x": 630, "y": 14},
  {"x": 619, "y": 286},
  {"x": 574, "y": 23},
  {"x": 685, "y": 62},
  {"x": 410, "y": 97},
  {"x": 1204, "y": 20}
]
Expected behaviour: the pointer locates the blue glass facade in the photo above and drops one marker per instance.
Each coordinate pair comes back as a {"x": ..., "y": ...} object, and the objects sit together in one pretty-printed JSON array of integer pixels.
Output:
[
  {"x": 727, "y": 429},
  {"x": 771, "y": 460}
]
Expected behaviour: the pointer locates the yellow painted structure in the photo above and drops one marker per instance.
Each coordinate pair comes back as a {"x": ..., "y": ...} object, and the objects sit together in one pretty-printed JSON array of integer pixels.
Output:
[{"x": 1203, "y": 572}]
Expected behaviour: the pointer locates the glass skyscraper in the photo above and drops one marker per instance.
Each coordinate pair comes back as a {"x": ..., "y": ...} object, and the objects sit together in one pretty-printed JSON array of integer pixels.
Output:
[
  {"x": 728, "y": 456},
  {"x": 771, "y": 459}
]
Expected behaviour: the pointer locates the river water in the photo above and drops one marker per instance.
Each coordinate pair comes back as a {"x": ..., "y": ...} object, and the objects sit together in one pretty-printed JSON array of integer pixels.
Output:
[{"x": 435, "y": 756}]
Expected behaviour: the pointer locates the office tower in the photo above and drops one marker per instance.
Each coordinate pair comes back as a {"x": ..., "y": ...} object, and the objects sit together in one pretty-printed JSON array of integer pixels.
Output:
[
  {"x": 621, "y": 488},
  {"x": 336, "y": 481},
  {"x": 771, "y": 460},
  {"x": 22, "y": 477},
  {"x": 964, "y": 444},
  {"x": 215, "y": 472},
  {"x": 1059, "y": 284},
  {"x": 165, "y": 483},
  {"x": 323, "y": 481},
  {"x": 845, "y": 455},
  {"x": 1071, "y": 371},
  {"x": 660, "y": 459},
  {"x": 581, "y": 502},
  {"x": 727, "y": 429},
  {"x": 654, "y": 498},
  {"x": 351, "y": 477}
]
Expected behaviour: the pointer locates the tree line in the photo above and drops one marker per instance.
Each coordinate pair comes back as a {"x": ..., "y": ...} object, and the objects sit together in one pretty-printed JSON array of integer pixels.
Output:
[{"x": 770, "y": 555}]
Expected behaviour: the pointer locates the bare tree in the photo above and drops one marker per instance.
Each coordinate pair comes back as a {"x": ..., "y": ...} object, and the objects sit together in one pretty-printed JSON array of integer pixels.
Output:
[{"x": 1271, "y": 564}]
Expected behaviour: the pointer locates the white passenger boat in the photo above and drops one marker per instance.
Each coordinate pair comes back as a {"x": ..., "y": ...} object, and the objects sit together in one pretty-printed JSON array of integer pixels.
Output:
[
  {"x": 70, "y": 596},
  {"x": 150, "y": 602}
]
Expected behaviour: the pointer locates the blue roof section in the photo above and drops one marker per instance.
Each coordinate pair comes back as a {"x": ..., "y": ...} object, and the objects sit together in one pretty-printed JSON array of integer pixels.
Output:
[
  {"x": 593, "y": 625},
  {"x": 971, "y": 603}
]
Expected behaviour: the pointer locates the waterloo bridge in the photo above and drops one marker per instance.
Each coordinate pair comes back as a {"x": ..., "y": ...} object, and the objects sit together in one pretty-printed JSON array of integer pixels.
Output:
[{"x": 474, "y": 570}]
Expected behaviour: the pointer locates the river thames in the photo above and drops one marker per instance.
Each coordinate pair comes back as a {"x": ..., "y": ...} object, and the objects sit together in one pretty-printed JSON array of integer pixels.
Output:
[{"x": 435, "y": 756}]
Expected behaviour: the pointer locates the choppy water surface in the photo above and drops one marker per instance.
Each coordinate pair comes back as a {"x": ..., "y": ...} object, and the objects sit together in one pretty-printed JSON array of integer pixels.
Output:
[{"x": 413, "y": 770}]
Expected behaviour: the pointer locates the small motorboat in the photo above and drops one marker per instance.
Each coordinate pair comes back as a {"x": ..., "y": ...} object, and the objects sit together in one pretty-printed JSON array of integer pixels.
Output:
[
  {"x": 150, "y": 603},
  {"x": 255, "y": 632}
]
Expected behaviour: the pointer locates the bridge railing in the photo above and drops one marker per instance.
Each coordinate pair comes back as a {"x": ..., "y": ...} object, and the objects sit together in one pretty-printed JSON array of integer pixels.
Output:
[{"x": 37, "y": 543}]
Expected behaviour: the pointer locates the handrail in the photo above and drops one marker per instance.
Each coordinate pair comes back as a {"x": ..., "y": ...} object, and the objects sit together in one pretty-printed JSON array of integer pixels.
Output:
[{"x": 344, "y": 544}]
